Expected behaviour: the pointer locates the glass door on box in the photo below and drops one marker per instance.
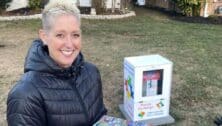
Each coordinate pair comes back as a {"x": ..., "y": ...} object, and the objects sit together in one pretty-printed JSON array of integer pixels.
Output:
[{"x": 152, "y": 82}]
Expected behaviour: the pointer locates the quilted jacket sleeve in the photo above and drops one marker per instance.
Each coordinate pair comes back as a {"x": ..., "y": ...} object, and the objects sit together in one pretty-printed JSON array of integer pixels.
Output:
[{"x": 24, "y": 106}]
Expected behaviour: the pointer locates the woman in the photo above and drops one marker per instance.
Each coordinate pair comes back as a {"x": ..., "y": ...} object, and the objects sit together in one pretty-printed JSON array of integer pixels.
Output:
[{"x": 58, "y": 87}]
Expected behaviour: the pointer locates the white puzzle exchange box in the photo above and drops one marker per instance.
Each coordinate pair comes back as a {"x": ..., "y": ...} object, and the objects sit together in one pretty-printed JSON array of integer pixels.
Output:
[{"x": 147, "y": 84}]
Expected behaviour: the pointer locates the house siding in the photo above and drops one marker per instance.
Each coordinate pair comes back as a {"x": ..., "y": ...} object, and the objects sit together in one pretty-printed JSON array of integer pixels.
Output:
[{"x": 212, "y": 8}]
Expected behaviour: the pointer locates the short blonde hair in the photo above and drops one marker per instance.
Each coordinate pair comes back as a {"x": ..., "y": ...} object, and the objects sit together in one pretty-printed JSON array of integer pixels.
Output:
[{"x": 56, "y": 8}]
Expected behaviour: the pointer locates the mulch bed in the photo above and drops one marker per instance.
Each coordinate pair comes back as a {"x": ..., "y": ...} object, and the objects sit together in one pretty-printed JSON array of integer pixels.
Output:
[
  {"x": 197, "y": 19},
  {"x": 209, "y": 20}
]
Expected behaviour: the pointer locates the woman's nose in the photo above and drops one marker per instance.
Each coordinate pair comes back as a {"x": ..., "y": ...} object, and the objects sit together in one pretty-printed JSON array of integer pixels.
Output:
[{"x": 68, "y": 41}]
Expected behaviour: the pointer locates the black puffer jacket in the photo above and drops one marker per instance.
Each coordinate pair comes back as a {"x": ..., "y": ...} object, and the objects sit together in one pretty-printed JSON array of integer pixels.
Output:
[{"x": 48, "y": 95}]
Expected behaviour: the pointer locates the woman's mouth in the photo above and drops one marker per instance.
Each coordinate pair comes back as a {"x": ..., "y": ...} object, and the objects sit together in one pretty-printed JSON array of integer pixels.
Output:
[{"x": 67, "y": 52}]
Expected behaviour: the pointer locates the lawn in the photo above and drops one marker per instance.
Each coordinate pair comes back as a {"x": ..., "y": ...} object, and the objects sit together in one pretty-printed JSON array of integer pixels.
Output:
[{"x": 195, "y": 49}]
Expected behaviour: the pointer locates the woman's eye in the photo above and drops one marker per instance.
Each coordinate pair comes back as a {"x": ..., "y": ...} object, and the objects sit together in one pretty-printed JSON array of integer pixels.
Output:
[
  {"x": 59, "y": 35},
  {"x": 76, "y": 35}
]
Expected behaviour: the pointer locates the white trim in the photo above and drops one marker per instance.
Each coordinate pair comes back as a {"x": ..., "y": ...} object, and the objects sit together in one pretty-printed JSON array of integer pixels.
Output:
[{"x": 39, "y": 16}]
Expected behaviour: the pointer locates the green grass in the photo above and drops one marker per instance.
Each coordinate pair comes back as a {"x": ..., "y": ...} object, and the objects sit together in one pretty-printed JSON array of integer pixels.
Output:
[{"x": 195, "y": 50}]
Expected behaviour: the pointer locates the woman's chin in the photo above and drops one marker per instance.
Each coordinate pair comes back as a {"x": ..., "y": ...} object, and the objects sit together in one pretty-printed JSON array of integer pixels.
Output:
[
  {"x": 65, "y": 60},
  {"x": 65, "y": 63}
]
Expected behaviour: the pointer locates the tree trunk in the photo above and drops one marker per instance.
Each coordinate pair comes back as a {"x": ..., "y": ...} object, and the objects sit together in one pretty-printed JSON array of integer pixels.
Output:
[{"x": 113, "y": 5}]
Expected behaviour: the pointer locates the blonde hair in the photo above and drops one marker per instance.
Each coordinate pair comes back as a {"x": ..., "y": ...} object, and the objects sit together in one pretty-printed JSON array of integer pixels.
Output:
[{"x": 56, "y": 8}]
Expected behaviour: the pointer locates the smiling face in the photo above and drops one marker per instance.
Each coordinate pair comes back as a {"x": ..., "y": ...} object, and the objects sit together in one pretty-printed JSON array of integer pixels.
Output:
[{"x": 63, "y": 40}]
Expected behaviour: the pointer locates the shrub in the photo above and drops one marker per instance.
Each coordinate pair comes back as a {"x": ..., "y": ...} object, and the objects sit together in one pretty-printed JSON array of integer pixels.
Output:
[
  {"x": 35, "y": 4},
  {"x": 98, "y": 5},
  {"x": 189, "y": 7},
  {"x": 3, "y": 4}
]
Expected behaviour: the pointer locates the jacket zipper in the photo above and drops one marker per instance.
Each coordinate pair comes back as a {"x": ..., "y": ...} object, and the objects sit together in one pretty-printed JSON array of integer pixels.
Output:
[{"x": 81, "y": 102}]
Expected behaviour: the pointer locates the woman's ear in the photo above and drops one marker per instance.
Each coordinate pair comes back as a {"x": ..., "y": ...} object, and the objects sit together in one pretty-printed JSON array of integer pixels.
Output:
[{"x": 43, "y": 36}]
